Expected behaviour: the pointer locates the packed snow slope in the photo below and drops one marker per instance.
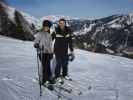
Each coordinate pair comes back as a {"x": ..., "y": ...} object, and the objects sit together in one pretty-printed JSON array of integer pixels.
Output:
[{"x": 110, "y": 77}]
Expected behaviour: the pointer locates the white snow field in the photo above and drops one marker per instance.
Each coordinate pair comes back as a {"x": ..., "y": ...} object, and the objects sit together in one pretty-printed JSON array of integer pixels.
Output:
[{"x": 110, "y": 77}]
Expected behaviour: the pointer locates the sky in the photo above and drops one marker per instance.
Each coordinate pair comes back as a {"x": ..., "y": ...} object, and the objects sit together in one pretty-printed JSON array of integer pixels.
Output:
[{"x": 73, "y": 8}]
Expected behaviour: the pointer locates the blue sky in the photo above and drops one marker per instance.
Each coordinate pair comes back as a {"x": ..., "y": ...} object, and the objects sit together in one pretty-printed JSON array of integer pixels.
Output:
[{"x": 73, "y": 8}]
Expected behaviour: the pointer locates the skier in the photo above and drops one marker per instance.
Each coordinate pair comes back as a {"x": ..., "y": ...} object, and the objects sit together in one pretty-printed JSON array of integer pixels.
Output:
[
  {"x": 43, "y": 41},
  {"x": 63, "y": 41}
]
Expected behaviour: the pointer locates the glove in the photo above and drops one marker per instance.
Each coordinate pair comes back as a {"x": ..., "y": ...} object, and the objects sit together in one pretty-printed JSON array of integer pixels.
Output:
[
  {"x": 71, "y": 56},
  {"x": 51, "y": 56},
  {"x": 36, "y": 45}
]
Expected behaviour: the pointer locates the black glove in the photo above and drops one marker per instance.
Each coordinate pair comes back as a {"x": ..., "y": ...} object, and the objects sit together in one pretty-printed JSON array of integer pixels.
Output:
[
  {"x": 71, "y": 57},
  {"x": 36, "y": 45},
  {"x": 51, "y": 56}
]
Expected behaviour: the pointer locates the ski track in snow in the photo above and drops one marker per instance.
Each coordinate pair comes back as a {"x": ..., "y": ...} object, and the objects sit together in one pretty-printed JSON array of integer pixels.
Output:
[{"x": 110, "y": 77}]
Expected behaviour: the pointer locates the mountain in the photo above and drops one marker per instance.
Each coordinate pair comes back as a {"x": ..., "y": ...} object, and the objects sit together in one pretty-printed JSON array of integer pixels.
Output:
[
  {"x": 113, "y": 34},
  {"x": 54, "y": 18},
  {"x": 110, "y": 77},
  {"x": 30, "y": 19},
  {"x": 13, "y": 24}
]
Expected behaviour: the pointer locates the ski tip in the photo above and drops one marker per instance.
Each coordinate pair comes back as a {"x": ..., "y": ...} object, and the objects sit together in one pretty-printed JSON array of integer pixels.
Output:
[
  {"x": 51, "y": 88},
  {"x": 40, "y": 94},
  {"x": 80, "y": 93},
  {"x": 89, "y": 88}
]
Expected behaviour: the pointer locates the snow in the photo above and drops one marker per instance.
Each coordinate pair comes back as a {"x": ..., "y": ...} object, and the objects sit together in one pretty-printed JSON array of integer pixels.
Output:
[
  {"x": 85, "y": 29},
  {"x": 29, "y": 18},
  {"x": 99, "y": 29},
  {"x": 115, "y": 25},
  {"x": 113, "y": 21},
  {"x": 54, "y": 18},
  {"x": 105, "y": 43},
  {"x": 11, "y": 12},
  {"x": 130, "y": 18},
  {"x": 111, "y": 77}
]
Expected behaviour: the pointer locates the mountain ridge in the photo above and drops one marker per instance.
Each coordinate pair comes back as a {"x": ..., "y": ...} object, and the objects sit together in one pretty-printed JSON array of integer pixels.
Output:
[{"x": 112, "y": 34}]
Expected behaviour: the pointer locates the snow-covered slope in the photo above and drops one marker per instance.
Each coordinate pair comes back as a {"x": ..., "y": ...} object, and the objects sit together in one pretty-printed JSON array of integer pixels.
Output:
[
  {"x": 11, "y": 14},
  {"x": 85, "y": 29},
  {"x": 29, "y": 18},
  {"x": 13, "y": 24},
  {"x": 111, "y": 77}
]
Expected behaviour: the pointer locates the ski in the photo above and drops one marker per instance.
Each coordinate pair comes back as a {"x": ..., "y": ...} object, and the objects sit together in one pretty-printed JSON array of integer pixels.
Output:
[
  {"x": 77, "y": 84},
  {"x": 65, "y": 86},
  {"x": 61, "y": 95},
  {"x": 74, "y": 89},
  {"x": 61, "y": 87},
  {"x": 55, "y": 91},
  {"x": 69, "y": 86}
]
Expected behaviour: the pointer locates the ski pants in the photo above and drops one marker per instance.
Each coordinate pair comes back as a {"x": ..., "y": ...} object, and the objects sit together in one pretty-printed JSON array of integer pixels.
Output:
[
  {"x": 61, "y": 65},
  {"x": 46, "y": 69}
]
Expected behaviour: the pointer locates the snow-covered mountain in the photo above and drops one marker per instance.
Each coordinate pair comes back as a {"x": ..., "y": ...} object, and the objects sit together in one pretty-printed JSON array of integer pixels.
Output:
[
  {"x": 13, "y": 24},
  {"x": 30, "y": 19},
  {"x": 109, "y": 76},
  {"x": 113, "y": 34},
  {"x": 114, "y": 21},
  {"x": 54, "y": 18}
]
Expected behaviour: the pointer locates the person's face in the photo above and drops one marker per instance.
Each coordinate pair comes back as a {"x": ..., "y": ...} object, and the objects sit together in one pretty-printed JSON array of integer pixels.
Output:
[
  {"x": 62, "y": 24},
  {"x": 46, "y": 28}
]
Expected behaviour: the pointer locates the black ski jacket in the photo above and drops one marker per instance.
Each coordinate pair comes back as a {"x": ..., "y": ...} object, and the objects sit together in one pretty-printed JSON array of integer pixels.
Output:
[{"x": 63, "y": 41}]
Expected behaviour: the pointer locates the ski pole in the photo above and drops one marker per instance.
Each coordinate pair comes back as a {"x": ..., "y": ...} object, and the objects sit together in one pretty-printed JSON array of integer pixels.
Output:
[{"x": 39, "y": 71}]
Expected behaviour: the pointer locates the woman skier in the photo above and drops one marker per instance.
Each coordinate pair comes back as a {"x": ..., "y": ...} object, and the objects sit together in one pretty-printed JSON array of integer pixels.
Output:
[{"x": 43, "y": 41}]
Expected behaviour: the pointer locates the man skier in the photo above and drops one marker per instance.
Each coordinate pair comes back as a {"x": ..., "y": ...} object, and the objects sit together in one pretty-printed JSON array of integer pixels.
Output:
[{"x": 63, "y": 41}]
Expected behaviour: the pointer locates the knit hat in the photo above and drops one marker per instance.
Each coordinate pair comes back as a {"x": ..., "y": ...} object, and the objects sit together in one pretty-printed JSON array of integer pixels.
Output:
[{"x": 47, "y": 23}]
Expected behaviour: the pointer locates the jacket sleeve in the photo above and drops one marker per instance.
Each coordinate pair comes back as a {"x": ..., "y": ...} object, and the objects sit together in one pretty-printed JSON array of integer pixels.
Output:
[
  {"x": 53, "y": 35},
  {"x": 37, "y": 39},
  {"x": 71, "y": 40}
]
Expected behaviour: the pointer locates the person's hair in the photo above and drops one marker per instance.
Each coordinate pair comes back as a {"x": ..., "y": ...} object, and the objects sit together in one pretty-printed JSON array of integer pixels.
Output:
[
  {"x": 46, "y": 23},
  {"x": 62, "y": 19}
]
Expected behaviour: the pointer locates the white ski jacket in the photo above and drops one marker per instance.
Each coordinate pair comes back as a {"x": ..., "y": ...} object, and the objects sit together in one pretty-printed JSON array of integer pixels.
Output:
[{"x": 44, "y": 39}]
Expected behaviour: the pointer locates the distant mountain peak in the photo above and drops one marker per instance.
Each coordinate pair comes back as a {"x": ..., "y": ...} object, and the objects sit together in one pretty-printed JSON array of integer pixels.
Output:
[
  {"x": 55, "y": 18},
  {"x": 10, "y": 11}
]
